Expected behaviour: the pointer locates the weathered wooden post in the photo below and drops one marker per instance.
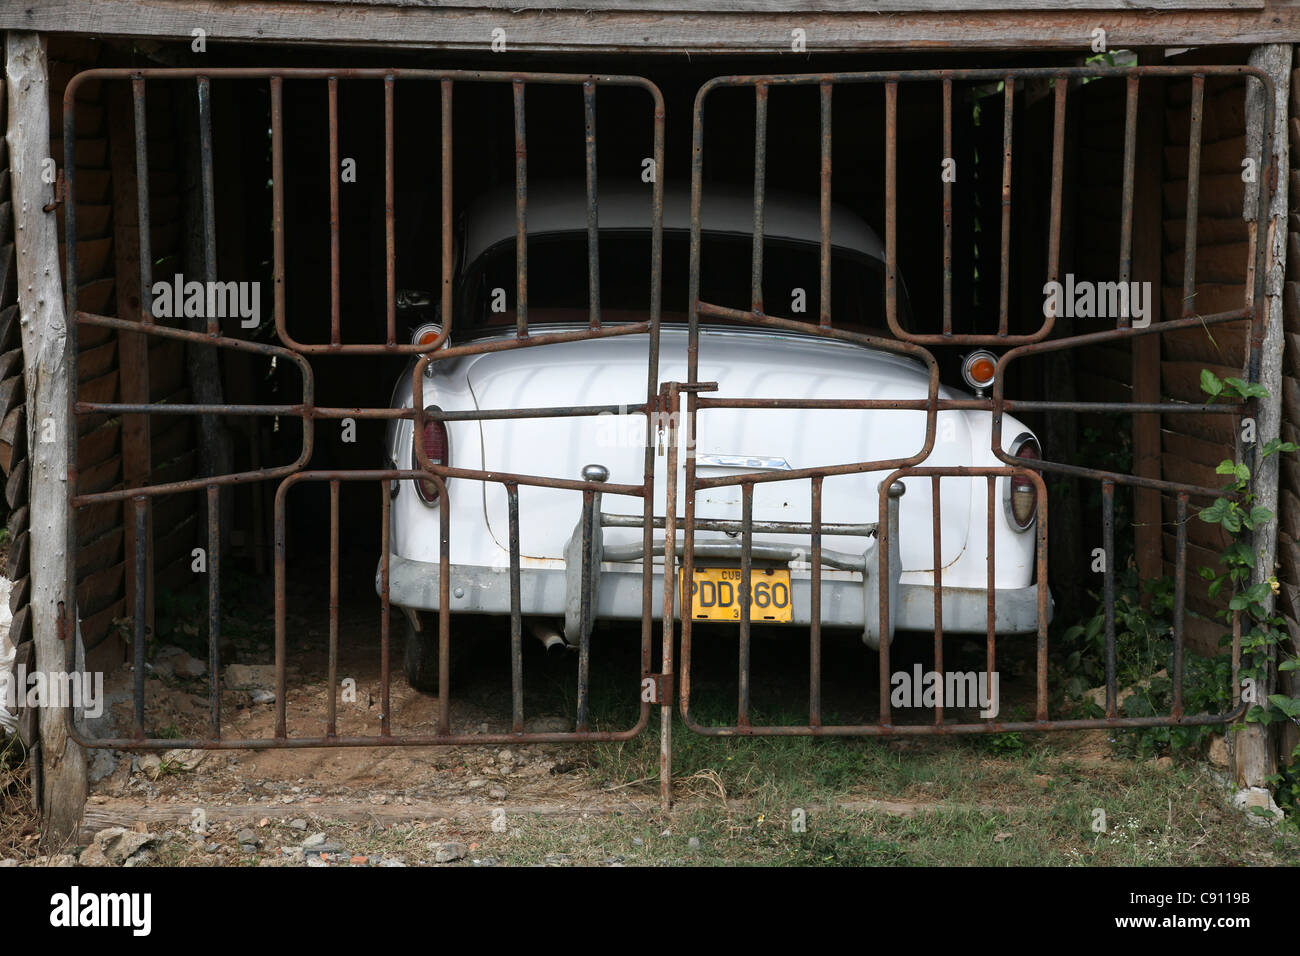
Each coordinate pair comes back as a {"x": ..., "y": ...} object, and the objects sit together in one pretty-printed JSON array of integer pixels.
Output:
[
  {"x": 1254, "y": 757},
  {"x": 49, "y": 365}
]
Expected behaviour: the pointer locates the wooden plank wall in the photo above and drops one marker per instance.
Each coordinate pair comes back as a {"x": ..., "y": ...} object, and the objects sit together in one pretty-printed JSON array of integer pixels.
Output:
[
  {"x": 103, "y": 574},
  {"x": 1103, "y": 373},
  {"x": 1192, "y": 445},
  {"x": 1091, "y": 229},
  {"x": 173, "y": 439},
  {"x": 99, "y": 445},
  {"x": 1288, "y": 544}
]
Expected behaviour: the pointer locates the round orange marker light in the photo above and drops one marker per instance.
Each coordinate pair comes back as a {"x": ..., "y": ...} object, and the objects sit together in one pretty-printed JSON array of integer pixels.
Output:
[
  {"x": 426, "y": 334},
  {"x": 979, "y": 369}
]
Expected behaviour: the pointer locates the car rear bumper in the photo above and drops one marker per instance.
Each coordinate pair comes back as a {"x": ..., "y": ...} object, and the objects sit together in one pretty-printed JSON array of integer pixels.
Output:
[{"x": 548, "y": 591}]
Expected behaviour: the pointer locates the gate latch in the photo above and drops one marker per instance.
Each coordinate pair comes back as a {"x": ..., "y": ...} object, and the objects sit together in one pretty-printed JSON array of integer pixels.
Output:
[
  {"x": 60, "y": 192},
  {"x": 656, "y": 688}
]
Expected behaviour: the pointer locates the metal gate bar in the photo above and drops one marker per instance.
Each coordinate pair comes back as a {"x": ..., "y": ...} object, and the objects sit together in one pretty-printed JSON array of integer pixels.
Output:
[
  {"x": 665, "y": 399},
  {"x": 1032, "y": 343},
  {"x": 307, "y": 412},
  {"x": 890, "y": 80}
]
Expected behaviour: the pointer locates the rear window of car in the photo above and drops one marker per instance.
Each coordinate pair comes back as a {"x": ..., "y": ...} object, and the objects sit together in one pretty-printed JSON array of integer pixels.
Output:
[{"x": 558, "y": 281}]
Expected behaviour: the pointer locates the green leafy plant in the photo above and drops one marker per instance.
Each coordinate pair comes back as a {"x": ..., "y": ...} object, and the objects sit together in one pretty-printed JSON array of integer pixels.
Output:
[
  {"x": 1144, "y": 649},
  {"x": 1264, "y": 640},
  {"x": 1011, "y": 743},
  {"x": 1144, "y": 634}
]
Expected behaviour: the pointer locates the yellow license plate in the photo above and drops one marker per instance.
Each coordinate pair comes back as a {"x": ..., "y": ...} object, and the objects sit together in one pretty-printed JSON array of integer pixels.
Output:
[{"x": 715, "y": 594}]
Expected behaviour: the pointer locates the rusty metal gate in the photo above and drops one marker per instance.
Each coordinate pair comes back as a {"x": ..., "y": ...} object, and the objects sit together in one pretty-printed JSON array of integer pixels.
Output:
[{"x": 669, "y": 407}]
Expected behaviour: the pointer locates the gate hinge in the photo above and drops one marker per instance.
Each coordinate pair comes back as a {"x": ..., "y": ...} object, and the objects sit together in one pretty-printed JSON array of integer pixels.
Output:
[{"x": 60, "y": 192}]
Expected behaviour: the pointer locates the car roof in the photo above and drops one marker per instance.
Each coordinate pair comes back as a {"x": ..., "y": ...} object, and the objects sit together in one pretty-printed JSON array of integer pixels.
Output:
[{"x": 561, "y": 207}]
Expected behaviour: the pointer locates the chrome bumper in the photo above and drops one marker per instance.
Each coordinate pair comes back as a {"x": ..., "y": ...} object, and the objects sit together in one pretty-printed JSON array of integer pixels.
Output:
[
  {"x": 850, "y": 587},
  {"x": 544, "y": 592}
]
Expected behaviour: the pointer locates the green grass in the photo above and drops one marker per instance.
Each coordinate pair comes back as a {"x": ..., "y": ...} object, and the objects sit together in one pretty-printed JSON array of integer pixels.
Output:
[
  {"x": 936, "y": 802},
  {"x": 971, "y": 803},
  {"x": 1153, "y": 824}
]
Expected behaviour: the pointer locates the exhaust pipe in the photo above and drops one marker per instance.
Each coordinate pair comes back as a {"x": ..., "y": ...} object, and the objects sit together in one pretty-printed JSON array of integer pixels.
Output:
[{"x": 550, "y": 637}]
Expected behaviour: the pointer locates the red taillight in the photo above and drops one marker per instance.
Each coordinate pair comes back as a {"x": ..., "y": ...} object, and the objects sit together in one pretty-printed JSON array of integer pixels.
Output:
[
  {"x": 1022, "y": 492},
  {"x": 435, "y": 451}
]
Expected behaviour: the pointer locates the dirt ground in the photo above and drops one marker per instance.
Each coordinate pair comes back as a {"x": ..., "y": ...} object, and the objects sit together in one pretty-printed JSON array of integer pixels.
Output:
[{"x": 925, "y": 801}]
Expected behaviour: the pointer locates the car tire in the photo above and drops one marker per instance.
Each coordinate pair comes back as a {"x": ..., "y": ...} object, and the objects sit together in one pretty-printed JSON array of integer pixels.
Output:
[{"x": 420, "y": 661}]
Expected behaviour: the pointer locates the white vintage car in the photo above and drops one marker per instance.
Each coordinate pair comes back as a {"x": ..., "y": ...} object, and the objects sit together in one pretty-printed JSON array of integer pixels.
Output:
[{"x": 745, "y": 362}]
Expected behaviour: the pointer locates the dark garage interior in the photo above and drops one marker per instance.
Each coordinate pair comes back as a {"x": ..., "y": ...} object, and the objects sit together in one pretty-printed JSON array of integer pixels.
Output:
[{"x": 484, "y": 159}]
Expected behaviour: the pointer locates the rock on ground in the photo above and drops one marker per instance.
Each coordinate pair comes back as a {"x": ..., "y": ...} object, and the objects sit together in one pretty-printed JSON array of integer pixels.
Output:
[
  {"x": 102, "y": 764},
  {"x": 250, "y": 676},
  {"x": 1258, "y": 804},
  {"x": 113, "y": 846},
  {"x": 450, "y": 852},
  {"x": 150, "y": 765},
  {"x": 184, "y": 759},
  {"x": 175, "y": 662},
  {"x": 1098, "y": 694},
  {"x": 548, "y": 725}
]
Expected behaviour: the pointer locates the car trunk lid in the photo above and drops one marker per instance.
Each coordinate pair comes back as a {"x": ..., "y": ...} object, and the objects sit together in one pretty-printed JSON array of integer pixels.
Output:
[{"x": 744, "y": 363}]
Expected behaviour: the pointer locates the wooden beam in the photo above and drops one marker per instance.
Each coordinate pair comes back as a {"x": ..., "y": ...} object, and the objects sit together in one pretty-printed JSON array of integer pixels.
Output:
[
  {"x": 1031, "y": 25},
  {"x": 51, "y": 437},
  {"x": 1252, "y": 749},
  {"x": 801, "y": 7}
]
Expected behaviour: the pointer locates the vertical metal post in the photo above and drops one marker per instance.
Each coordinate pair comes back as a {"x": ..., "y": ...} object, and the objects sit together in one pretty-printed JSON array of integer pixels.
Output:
[
  {"x": 815, "y": 610},
  {"x": 390, "y": 212},
  {"x": 1108, "y": 572},
  {"x": 336, "y": 332},
  {"x": 1004, "y": 286},
  {"x": 936, "y": 525},
  {"x": 385, "y": 609},
  {"x": 1126, "y": 202},
  {"x": 448, "y": 247},
  {"x": 589, "y": 522},
  {"x": 277, "y": 203},
  {"x": 141, "y": 637},
  {"x": 991, "y": 638},
  {"x": 1180, "y": 600},
  {"x": 760, "y": 194},
  {"x": 142, "y": 199},
  {"x": 670, "y": 407},
  {"x": 1058, "y": 178},
  {"x": 891, "y": 206},
  {"x": 516, "y": 616},
  {"x": 331, "y": 706},
  {"x": 1193, "y": 195},
  {"x": 824, "y": 255},
  {"x": 521, "y": 213},
  {"x": 593, "y": 212},
  {"x": 214, "y": 612},
  {"x": 746, "y": 576},
  {"x": 884, "y": 541},
  {"x": 947, "y": 209},
  {"x": 281, "y": 597},
  {"x": 1043, "y": 598},
  {"x": 444, "y": 613}
]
